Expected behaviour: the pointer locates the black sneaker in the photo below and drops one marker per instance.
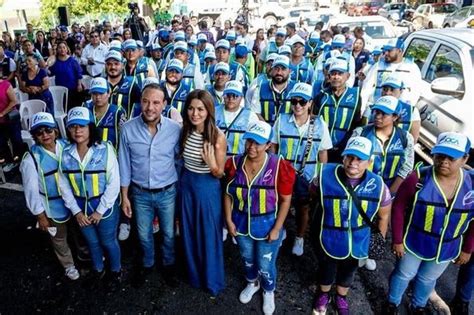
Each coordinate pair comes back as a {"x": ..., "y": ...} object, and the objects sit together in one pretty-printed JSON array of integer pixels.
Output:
[
  {"x": 93, "y": 279},
  {"x": 418, "y": 310},
  {"x": 139, "y": 278},
  {"x": 114, "y": 281},
  {"x": 169, "y": 275},
  {"x": 459, "y": 307},
  {"x": 392, "y": 309}
]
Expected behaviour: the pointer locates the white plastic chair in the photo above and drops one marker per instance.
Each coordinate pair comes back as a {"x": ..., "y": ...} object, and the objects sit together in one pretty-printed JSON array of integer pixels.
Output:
[
  {"x": 28, "y": 109},
  {"x": 60, "y": 98},
  {"x": 86, "y": 82},
  {"x": 52, "y": 81},
  {"x": 20, "y": 96}
]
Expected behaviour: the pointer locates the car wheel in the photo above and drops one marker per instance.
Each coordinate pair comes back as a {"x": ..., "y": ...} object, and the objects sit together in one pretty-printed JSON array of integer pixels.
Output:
[
  {"x": 430, "y": 24},
  {"x": 446, "y": 25}
]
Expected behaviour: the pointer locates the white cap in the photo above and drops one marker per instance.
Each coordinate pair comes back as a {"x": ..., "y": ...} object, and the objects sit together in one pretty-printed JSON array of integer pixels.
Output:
[
  {"x": 175, "y": 64},
  {"x": 202, "y": 37},
  {"x": 386, "y": 104},
  {"x": 42, "y": 119},
  {"x": 231, "y": 35},
  {"x": 210, "y": 54},
  {"x": 452, "y": 144},
  {"x": 179, "y": 35},
  {"x": 271, "y": 57},
  {"x": 222, "y": 66},
  {"x": 193, "y": 40},
  {"x": 394, "y": 80},
  {"x": 113, "y": 54},
  {"x": 360, "y": 147},
  {"x": 296, "y": 39},
  {"x": 339, "y": 65},
  {"x": 155, "y": 46},
  {"x": 129, "y": 44},
  {"x": 285, "y": 49},
  {"x": 339, "y": 40},
  {"x": 99, "y": 85},
  {"x": 282, "y": 61},
  {"x": 281, "y": 31},
  {"x": 303, "y": 90},
  {"x": 79, "y": 116},
  {"x": 150, "y": 80},
  {"x": 183, "y": 46},
  {"x": 115, "y": 45},
  {"x": 233, "y": 87},
  {"x": 260, "y": 132},
  {"x": 139, "y": 44},
  {"x": 223, "y": 43}
]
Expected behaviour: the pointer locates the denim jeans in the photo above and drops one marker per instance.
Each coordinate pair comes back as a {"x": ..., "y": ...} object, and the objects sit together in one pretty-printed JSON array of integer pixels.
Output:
[
  {"x": 260, "y": 260},
  {"x": 104, "y": 237},
  {"x": 425, "y": 273},
  {"x": 465, "y": 283},
  {"x": 146, "y": 205}
]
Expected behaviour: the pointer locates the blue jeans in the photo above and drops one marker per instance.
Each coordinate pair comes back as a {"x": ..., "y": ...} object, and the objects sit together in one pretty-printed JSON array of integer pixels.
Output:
[
  {"x": 260, "y": 260},
  {"x": 425, "y": 273},
  {"x": 465, "y": 283},
  {"x": 145, "y": 205},
  {"x": 104, "y": 237}
]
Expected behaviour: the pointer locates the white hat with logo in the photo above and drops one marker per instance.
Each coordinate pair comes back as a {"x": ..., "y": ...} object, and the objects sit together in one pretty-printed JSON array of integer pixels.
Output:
[
  {"x": 452, "y": 144},
  {"x": 360, "y": 147},
  {"x": 79, "y": 116},
  {"x": 99, "y": 85},
  {"x": 42, "y": 119},
  {"x": 303, "y": 90},
  {"x": 233, "y": 87},
  {"x": 150, "y": 80},
  {"x": 183, "y": 46},
  {"x": 222, "y": 66},
  {"x": 281, "y": 61},
  {"x": 175, "y": 64},
  {"x": 260, "y": 132},
  {"x": 387, "y": 104}
]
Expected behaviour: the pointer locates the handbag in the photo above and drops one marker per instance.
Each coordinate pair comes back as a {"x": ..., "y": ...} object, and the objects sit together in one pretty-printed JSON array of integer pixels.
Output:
[
  {"x": 377, "y": 241},
  {"x": 13, "y": 115}
]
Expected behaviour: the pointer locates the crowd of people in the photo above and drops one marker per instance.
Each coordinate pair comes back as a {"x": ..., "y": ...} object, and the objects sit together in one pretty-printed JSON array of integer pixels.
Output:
[{"x": 224, "y": 133}]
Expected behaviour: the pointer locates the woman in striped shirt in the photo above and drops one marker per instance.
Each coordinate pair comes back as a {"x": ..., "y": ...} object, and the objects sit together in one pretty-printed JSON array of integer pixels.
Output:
[{"x": 203, "y": 147}]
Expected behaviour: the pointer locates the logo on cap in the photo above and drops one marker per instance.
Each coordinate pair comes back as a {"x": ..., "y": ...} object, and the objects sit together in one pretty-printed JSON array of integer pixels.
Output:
[
  {"x": 356, "y": 143},
  {"x": 76, "y": 113},
  {"x": 40, "y": 117},
  {"x": 449, "y": 140}
]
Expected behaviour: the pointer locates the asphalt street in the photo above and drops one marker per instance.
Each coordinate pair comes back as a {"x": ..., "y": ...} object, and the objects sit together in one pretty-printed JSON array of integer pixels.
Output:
[{"x": 31, "y": 280}]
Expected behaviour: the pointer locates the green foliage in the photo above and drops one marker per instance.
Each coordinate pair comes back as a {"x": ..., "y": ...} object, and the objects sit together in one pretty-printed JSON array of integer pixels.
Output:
[{"x": 78, "y": 8}]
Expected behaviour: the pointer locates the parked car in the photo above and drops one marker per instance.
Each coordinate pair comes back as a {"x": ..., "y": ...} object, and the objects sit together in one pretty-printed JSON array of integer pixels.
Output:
[
  {"x": 458, "y": 16},
  {"x": 432, "y": 15},
  {"x": 378, "y": 28},
  {"x": 296, "y": 12},
  {"x": 392, "y": 10},
  {"x": 445, "y": 58},
  {"x": 363, "y": 8}
]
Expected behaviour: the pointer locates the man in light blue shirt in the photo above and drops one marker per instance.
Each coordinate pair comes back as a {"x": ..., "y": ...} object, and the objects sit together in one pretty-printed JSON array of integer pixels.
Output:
[{"x": 148, "y": 150}]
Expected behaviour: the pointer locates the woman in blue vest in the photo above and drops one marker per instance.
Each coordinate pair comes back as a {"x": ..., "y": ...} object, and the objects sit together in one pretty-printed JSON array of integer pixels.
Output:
[
  {"x": 233, "y": 119},
  {"x": 108, "y": 118},
  {"x": 430, "y": 221},
  {"x": 203, "y": 147},
  {"x": 45, "y": 195},
  {"x": 256, "y": 204},
  {"x": 409, "y": 116},
  {"x": 291, "y": 141},
  {"x": 351, "y": 197},
  {"x": 90, "y": 167}
]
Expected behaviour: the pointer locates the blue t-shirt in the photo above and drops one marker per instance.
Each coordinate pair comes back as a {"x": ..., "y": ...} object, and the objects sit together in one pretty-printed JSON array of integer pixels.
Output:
[{"x": 66, "y": 73}]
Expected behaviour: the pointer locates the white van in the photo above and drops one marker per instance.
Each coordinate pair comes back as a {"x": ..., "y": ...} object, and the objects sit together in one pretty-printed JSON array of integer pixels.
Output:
[{"x": 445, "y": 58}]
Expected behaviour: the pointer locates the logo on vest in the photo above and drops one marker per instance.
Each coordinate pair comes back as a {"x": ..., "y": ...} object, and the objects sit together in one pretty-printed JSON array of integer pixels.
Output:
[
  {"x": 468, "y": 198},
  {"x": 396, "y": 146},
  {"x": 403, "y": 113},
  {"x": 268, "y": 176},
  {"x": 183, "y": 94},
  {"x": 369, "y": 187},
  {"x": 350, "y": 98},
  {"x": 125, "y": 85}
]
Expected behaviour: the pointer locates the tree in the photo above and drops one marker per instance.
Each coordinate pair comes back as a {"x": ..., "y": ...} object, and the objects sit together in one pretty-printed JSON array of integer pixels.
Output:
[{"x": 49, "y": 8}]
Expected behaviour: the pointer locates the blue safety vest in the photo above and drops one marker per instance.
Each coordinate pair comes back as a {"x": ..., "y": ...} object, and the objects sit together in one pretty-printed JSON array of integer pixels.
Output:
[
  {"x": 233, "y": 130},
  {"x": 140, "y": 72},
  {"x": 218, "y": 101},
  {"x": 234, "y": 67},
  {"x": 47, "y": 166},
  {"x": 121, "y": 95},
  {"x": 188, "y": 75},
  {"x": 292, "y": 145},
  {"x": 255, "y": 203},
  {"x": 344, "y": 232},
  {"x": 272, "y": 103},
  {"x": 435, "y": 228},
  {"x": 88, "y": 183},
  {"x": 339, "y": 115},
  {"x": 387, "y": 160},
  {"x": 179, "y": 96},
  {"x": 405, "y": 117},
  {"x": 302, "y": 72},
  {"x": 109, "y": 124}
]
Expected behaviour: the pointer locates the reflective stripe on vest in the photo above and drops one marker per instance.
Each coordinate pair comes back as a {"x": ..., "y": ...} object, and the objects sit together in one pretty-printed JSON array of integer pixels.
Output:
[
  {"x": 108, "y": 124},
  {"x": 344, "y": 232},
  {"x": 435, "y": 228},
  {"x": 254, "y": 203},
  {"x": 292, "y": 145},
  {"x": 338, "y": 115},
  {"x": 272, "y": 103},
  {"x": 121, "y": 95},
  {"x": 88, "y": 183}
]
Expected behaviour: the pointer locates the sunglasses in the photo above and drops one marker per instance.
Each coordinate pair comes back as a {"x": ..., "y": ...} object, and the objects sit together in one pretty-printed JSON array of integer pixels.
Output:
[
  {"x": 42, "y": 131},
  {"x": 232, "y": 95},
  {"x": 95, "y": 36},
  {"x": 442, "y": 157},
  {"x": 301, "y": 102}
]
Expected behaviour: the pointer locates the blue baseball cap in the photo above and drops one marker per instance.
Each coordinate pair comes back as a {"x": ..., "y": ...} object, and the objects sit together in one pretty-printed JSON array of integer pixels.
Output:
[
  {"x": 164, "y": 34},
  {"x": 241, "y": 51},
  {"x": 183, "y": 46},
  {"x": 260, "y": 132},
  {"x": 360, "y": 147},
  {"x": 387, "y": 104},
  {"x": 393, "y": 43},
  {"x": 42, "y": 119},
  {"x": 233, "y": 87},
  {"x": 452, "y": 144},
  {"x": 113, "y": 54},
  {"x": 303, "y": 90},
  {"x": 79, "y": 116},
  {"x": 63, "y": 28},
  {"x": 129, "y": 44},
  {"x": 339, "y": 65},
  {"x": 222, "y": 66},
  {"x": 281, "y": 61},
  {"x": 394, "y": 80},
  {"x": 377, "y": 51},
  {"x": 175, "y": 64},
  {"x": 179, "y": 36},
  {"x": 99, "y": 85}
]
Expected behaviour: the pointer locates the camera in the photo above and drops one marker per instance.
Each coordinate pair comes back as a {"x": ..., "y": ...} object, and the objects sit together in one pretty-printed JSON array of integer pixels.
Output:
[{"x": 132, "y": 6}]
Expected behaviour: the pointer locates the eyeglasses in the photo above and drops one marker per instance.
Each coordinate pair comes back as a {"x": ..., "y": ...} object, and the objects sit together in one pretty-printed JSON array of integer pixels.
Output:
[
  {"x": 301, "y": 102},
  {"x": 231, "y": 95},
  {"x": 442, "y": 157},
  {"x": 42, "y": 131}
]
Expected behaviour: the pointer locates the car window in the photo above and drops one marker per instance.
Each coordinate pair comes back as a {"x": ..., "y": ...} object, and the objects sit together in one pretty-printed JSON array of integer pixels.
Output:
[
  {"x": 376, "y": 30},
  {"x": 420, "y": 9},
  {"x": 418, "y": 50},
  {"x": 446, "y": 63},
  {"x": 444, "y": 8}
]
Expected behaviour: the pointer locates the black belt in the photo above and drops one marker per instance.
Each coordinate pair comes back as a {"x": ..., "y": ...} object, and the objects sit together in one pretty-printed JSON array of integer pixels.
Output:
[{"x": 153, "y": 190}]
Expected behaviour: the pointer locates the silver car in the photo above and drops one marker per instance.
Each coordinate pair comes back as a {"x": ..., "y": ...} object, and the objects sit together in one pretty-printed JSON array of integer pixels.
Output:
[{"x": 458, "y": 16}]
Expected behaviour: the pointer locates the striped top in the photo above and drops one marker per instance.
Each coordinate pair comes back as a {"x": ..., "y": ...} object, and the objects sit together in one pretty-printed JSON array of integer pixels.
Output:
[{"x": 192, "y": 154}]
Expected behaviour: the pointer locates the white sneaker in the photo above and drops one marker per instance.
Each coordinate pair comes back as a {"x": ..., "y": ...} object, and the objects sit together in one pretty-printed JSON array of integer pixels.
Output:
[
  {"x": 439, "y": 304},
  {"x": 268, "y": 303},
  {"x": 124, "y": 231},
  {"x": 72, "y": 273},
  {"x": 298, "y": 246},
  {"x": 370, "y": 264},
  {"x": 247, "y": 293},
  {"x": 225, "y": 232}
]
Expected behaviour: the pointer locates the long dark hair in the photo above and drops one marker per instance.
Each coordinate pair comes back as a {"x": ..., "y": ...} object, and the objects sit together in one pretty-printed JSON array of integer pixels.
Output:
[
  {"x": 94, "y": 135},
  {"x": 210, "y": 130}
]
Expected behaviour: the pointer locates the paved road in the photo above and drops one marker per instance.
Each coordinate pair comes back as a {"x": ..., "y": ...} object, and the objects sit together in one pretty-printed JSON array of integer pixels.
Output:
[{"x": 31, "y": 279}]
